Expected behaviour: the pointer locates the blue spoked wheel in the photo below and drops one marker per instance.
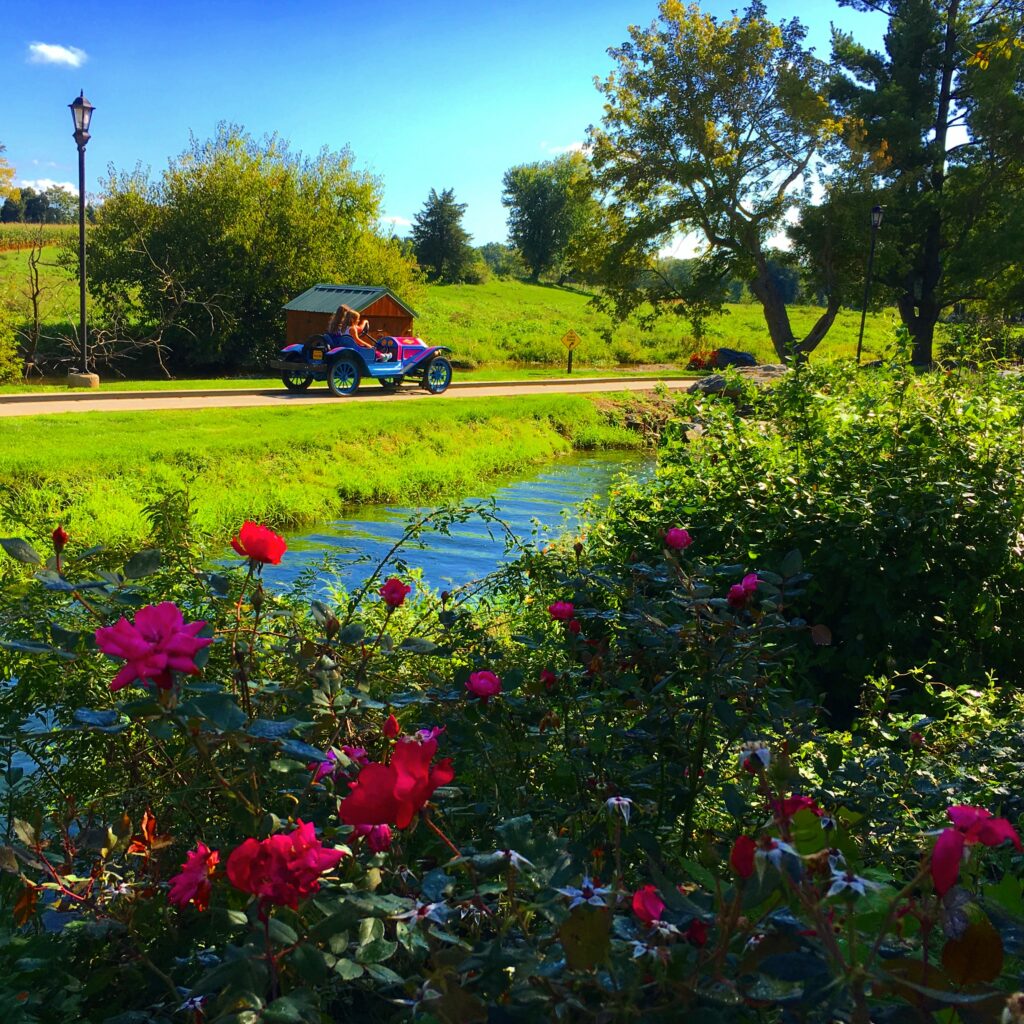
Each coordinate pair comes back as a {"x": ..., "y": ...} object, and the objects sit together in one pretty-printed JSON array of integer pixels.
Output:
[
  {"x": 438, "y": 375},
  {"x": 297, "y": 381},
  {"x": 343, "y": 377}
]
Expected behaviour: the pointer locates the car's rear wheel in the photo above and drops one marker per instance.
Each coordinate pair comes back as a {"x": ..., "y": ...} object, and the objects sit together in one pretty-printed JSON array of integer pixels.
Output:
[
  {"x": 438, "y": 375},
  {"x": 390, "y": 384},
  {"x": 343, "y": 376},
  {"x": 296, "y": 381}
]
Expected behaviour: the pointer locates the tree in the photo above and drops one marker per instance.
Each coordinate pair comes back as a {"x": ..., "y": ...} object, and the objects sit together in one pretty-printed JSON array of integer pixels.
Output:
[
  {"x": 12, "y": 211},
  {"x": 440, "y": 241},
  {"x": 548, "y": 203},
  {"x": 712, "y": 127},
  {"x": 937, "y": 134},
  {"x": 6, "y": 174},
  {"x": 235, "y": 227},
  {"x": 61, "y": 205},
  {"x": 33, "y": 206},
  {"x": 502, "y": 260}
]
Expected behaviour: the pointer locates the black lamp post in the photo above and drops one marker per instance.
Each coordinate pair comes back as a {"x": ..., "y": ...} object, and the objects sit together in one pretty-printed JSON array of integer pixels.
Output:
[
  {"x": 876, "y": 223},
  {"x": 81, "y": 112}
]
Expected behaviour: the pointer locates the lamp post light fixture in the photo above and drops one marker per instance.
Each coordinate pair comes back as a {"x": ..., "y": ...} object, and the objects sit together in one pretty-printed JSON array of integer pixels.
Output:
[
  {"x": 81, "y": 113},
  {"x": 876, "y": 223}
]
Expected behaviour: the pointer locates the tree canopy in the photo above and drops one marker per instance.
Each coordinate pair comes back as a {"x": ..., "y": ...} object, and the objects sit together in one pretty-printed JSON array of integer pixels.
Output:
[
  {"x": 440, "y": 241},
  {"x": 231, "y": 231},
  {"x": 712, "y": 127},
  {"x": 548, "y": 203},
  {"x": 6, "y": 174}
]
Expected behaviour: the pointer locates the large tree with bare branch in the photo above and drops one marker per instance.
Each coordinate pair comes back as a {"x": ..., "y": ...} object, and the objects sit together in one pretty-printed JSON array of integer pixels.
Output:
[{"x": 713, "y": 127}]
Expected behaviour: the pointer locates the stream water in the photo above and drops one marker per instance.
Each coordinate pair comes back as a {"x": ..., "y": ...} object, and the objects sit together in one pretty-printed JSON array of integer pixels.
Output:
[{"x": 542, "y": 502}]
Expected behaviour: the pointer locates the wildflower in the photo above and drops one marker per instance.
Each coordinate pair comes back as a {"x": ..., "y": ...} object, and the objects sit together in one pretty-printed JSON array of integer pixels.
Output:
[
  {"x": 394, "y": 592},
  {"x": 648, "y": 905},
  {"x": 484, "y": 684},
  {"x": 972, "y": 825},
  {"x": 259, "y": 544},
  {"x": 622, "y": 804},
  {"x": 60, "y": 538},
  {"x": 321, "y": 769},
  {"x": 677, "y": 539},
  {"x": 741, "y": 858},
  {"x": 740, "y": 593},
  {"x": 391, "y": 727},
  {"x": 847, "y": 881},
  {"x": 562, "y": 611},
  {"x": 392, "y": 794},
  {"x": 282, "y": 869},
  {"x": 754, "y": 756},
  {"x": 588, "y": 892},
  {"x": 156, "y": 645},
  {"x": 192, "y": 883}
]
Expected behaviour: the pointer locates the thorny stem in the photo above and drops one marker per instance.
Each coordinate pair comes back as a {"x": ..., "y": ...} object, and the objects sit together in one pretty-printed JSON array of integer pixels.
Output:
[{"x": 440, "y": 834}]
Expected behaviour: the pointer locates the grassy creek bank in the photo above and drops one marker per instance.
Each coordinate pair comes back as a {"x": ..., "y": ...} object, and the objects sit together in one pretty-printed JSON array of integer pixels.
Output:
[{"x": 288, "y": 467}]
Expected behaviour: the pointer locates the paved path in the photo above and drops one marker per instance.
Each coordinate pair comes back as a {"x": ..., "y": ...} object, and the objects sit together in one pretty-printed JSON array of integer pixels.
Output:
[{"x": 11, "y": 405}]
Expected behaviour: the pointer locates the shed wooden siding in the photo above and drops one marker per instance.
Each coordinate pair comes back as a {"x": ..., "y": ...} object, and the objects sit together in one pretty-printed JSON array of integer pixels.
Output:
[{"x": 386, "y": 318}]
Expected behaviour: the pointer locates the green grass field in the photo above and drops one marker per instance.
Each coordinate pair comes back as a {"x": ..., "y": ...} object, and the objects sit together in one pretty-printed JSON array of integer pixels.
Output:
[
  {"x": 285, "y": 467},
  {"x": 511, "y": 323}
]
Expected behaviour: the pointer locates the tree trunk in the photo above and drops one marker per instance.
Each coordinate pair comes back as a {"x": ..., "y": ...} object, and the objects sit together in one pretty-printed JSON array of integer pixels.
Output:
[{"x": 775, "y": 313}]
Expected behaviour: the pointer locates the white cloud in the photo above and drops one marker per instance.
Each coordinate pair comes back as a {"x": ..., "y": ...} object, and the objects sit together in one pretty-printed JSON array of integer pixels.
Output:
[
  {"x": 399, "y": 222},
  {"x": 42, "y": 184},
  {"x": 572, "y": 147},
  {"x": 53, "y": 53}
]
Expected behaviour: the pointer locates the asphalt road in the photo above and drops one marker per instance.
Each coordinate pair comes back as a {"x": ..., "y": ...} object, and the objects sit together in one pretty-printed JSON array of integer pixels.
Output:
[{"x": 139, "y": 402}]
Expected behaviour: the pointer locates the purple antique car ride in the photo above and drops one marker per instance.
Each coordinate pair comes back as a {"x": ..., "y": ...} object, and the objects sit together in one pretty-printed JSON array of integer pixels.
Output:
[{"x": 337, "y": 359}]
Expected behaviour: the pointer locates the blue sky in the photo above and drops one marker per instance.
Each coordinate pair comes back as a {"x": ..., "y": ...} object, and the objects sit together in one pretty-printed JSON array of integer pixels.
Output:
[{"x": 445, "y": 94}]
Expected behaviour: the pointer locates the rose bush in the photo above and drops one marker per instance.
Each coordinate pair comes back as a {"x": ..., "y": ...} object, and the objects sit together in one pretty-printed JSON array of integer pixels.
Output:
[{"x": 311, "y": 816}]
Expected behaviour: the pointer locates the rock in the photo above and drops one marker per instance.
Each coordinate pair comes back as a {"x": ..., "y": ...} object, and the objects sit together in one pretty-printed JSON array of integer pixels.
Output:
[
  {"x": 768, "y": 370},
  {"x": 711, "y": 385},
  {"x": 83, "y": 380},
  {"x": 733, "y": 357}
]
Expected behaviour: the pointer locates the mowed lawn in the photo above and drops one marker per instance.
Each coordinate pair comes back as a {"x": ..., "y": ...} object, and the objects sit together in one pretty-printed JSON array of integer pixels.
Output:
[{"x": 96, "y": 472}]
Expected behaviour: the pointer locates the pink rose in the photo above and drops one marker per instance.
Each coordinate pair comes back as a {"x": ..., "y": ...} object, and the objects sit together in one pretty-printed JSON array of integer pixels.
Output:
[
  {"x": 678, "y": 539},
  {"x": 648, "y": 905},
  {"x": 972, "y": 825},
  {"x": 562, "y": 611},
  {"x": 156, "y": 645},
  {"x": 394, "y": 592},
  {"x": 378, "y": 837},
  {"x": 192, "y": 883},
  {"x": 484, "y": 684},
  {"x": 740, "y": 593}
]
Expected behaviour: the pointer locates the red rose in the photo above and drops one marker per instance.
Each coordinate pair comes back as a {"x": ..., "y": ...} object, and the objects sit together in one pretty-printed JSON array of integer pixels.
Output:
[
  {"x": 562, "y": 611},
  {"x": 392, "y": 794},
  {"x": 972, "y": 825},
  {"x": 574, "y": 626},
  {"x": 282, "y": 869},
  {"x": 394, "y": 592},
  {"x": 785, "y": 809},
  {"x": 259, "y": 544},
  {"x": 484, "y": 684},
  {"x": 648, "y": 905},
  {"x": 678, "y": 539},
  {"x": 60, "y": 539},
  {"x": 697, "y": 933},
  {"x": 392, "y": 727},
  {"x": 548, "y": 678},
  {"x": 742, "y": 856},
  {"x": 192, "y": 883}
]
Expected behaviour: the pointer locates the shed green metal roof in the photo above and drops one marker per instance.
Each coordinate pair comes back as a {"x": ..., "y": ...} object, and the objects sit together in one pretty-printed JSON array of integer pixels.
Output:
[{"x": 326, "y": 298}]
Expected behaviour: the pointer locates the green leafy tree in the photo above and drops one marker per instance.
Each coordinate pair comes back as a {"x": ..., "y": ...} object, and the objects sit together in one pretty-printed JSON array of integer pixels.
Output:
[
  {"x": 61, "y": 205},
  {"x": 937, "y": 135},
  {"x": 206, "y": 256},
  {"x": 502, "y": 260},
  {"x": 712, "y": 127},
  {"x": 548, "y": 203},
  {"x": 440, "y": 241},
  {"x": 6, "y": 174},
  {"x": 12, "y": 211}
]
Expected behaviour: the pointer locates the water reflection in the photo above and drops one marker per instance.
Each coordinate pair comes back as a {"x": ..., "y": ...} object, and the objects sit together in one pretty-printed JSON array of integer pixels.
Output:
[{"x": 546, "y": 500}]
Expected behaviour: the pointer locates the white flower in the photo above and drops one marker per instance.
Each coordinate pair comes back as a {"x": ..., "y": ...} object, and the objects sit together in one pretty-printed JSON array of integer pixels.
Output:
[
  {"x": 847, "y": 880},
  {"x": 193, "y": 1003},
  {"x": 622, "y": 804},
  {"x": 517, "y": 860},
  {"x": 424, "y": 912},
  {"x": 772, "y": 853},
  {"x": 755, "y": 750},
  {"x": 586, "y": 893}
]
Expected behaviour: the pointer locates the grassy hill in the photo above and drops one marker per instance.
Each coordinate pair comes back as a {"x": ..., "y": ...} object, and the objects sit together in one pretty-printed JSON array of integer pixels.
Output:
[{"x": 511, "y": 321}]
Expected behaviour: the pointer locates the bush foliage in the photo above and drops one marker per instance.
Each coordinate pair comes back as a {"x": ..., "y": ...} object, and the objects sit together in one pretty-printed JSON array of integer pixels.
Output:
[{"x": 597, "y": 786}]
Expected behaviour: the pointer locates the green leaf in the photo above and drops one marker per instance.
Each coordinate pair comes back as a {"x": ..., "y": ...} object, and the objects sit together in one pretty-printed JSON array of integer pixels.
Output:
[
  {"x": 735, "y": 804},
  {"x": 418, "y": 645},
  {"x": 142, "y": 563},
  {"x": 281, "y": 933},
  {"x": 104, "y": 721},
  {"x": 353, "y": 633},
  {"x": 309, "y": 962},
  {"x": 26, "y": 832},
  {"x": 21, "y": 551},
  {"x": 384, "y": 975},
  {"x": 268, "y": 729},
  {"x": 218, "y": 708},
  {"x": 376, "y": 951},
  {"x": 348, "y": 970},
  {"x": 301, "y": 751}
]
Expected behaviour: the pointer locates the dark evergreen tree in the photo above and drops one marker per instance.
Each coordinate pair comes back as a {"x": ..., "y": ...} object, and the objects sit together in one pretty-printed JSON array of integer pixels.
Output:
[{"x": 440, "y": 241}]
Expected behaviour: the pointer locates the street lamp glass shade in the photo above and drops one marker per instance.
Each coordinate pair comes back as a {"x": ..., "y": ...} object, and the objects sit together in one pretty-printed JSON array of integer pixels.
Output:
[
  {"x": 876, "y": 216},
  {"x": 81, "y": 111}
]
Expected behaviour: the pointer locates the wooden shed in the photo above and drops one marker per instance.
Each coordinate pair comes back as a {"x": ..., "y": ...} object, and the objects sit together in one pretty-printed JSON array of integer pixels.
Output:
[{"x": 310, "y": 312}]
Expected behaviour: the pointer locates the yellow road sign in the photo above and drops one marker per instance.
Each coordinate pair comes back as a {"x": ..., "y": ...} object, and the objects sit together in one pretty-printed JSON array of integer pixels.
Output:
[{"x": 571, "y": 340}]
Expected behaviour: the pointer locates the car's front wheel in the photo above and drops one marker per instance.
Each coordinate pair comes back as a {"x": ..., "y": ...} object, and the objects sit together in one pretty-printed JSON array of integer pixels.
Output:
[
  {"x": 438, "y": 375},
  {"x": 296, "y": 381},
  {"x": 343, "y": 376}
]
